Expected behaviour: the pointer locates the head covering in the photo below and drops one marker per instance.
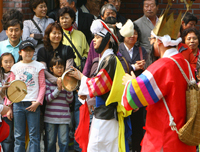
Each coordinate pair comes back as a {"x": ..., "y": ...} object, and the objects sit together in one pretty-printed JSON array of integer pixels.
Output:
[
  {"x": 100, "y": 28},
  {"x": 25, "y": 44},
  {"x": 128, "y": 29},
  {"x": 167, "y": 29}
]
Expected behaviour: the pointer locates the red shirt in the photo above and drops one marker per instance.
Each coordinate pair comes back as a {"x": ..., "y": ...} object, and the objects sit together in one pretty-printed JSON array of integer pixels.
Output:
[{"x": 187, "y": 54}]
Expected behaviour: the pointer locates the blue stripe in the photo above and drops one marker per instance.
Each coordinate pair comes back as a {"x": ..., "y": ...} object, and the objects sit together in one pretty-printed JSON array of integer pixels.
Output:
[
  {"x": 134, "y": 96},
  {"x": 149, "y": 88}
]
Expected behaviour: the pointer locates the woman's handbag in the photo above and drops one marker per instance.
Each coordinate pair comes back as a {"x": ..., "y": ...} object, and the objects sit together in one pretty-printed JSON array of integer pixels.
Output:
[{"x": 190, "y": 132}]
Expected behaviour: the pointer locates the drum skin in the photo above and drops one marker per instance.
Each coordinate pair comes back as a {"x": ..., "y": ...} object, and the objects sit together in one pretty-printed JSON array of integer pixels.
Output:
[
  {"x": 17, "y": 91},
  {"x": 69, "y": 83}
]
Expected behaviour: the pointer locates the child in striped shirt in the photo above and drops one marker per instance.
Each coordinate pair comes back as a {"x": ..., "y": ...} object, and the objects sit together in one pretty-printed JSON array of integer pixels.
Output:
[{"x": 57, "y": 113}]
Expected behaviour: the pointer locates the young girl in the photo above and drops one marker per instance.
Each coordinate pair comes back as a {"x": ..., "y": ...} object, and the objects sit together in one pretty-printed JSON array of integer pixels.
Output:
[
  {"x": 6, "y": 62},
  {"x": 57, "y": 113},
  {"x": 32, "y": 73}
]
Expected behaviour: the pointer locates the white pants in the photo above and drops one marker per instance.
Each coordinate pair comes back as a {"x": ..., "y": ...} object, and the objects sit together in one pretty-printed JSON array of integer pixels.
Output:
[{"x": 103, "y": 136}]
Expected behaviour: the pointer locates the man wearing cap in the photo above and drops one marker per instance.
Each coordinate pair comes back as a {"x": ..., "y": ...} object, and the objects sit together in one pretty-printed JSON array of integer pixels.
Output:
[
  {"x": 161, "y": 81},
  {"x": 106, "y": 133}
]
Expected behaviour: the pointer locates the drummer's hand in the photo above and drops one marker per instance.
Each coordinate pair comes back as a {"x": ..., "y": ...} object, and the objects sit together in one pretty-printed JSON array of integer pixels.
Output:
[
  {"x": 135, "y": 110},
  {"x": 90, "y": 108},
  {"x": 83, "y": 97},
  {"x": 10, "y": 114},
  {"x": 3, "y": 90},
  {"x": 76, "y": 74},
  {"x": 128, "y": 77},
  {"x": 33, "y": 107},
  {"x": 59, "y": 84}
]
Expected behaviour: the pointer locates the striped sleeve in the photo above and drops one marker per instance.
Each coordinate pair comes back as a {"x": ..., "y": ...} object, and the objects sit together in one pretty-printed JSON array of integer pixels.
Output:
[
  {"x": 50, "y": 95},
  {"x": 100, "y": 84},
  {"x": 69, "y": 97},
  {"x": 140, "y": 92}
]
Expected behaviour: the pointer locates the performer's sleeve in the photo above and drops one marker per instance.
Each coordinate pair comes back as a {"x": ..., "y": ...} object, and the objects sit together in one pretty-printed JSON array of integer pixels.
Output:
[
  {"x": 141, "y": 92},
  {"x": 99, "y": 84}
]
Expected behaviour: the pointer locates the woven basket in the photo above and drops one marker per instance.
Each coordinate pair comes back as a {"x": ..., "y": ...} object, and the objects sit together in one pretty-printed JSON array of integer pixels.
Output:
[{"x": 190, "y": 132}]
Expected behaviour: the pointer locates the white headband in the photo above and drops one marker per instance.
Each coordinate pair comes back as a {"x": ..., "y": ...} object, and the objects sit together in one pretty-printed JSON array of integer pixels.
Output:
[{"x": 166, "y": 40}]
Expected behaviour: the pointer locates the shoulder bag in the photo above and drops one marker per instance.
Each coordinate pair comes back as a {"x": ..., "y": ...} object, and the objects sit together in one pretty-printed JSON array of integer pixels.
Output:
[
  {"x": 83, "y": 59},
  {"x": 189, "y": 133}
]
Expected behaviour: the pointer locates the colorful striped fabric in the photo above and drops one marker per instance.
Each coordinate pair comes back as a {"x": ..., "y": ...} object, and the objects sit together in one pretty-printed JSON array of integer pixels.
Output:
[
  {"x": 100, "y": 84},
  {"x": 141, "y": 92}
]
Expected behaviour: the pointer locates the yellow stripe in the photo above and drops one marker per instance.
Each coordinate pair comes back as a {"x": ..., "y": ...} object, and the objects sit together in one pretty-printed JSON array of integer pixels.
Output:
[{"x": 139, "y": 93}]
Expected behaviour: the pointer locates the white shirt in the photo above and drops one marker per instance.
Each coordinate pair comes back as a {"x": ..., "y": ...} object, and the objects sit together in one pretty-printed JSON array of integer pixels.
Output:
[
  {"x": 76, "y": 18},
  {"x": 28, "y": 72},
  {"x": 131, "y": 54},
  {"x": 129, "y": 51},
  {"x": 170, "y": 52}
]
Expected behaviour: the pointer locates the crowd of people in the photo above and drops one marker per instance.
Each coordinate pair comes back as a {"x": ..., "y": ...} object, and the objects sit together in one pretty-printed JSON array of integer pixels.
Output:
[{"x": 127, "y": 67}]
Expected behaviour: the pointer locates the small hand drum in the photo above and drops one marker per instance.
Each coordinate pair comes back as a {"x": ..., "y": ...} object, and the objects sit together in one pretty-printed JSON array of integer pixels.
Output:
[
  {"x": 17, "y": 91},
  {"x": 69, "y": 83}
]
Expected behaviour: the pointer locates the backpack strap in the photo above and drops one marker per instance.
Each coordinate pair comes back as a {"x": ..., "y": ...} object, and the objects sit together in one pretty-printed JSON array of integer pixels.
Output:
[
  {"x": 172, "y": 124},
  {"x": 36, "y": 25},
  {"x": 126, "y": 64}
]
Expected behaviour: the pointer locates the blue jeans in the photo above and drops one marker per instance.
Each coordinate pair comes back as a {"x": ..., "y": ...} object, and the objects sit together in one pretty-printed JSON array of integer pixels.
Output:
[
  {"x": 8, "y": 143},
  {"x": 51, "y": 132},
  {"x": 21, "y": 115},
  {"x": 76, "y": 117}
]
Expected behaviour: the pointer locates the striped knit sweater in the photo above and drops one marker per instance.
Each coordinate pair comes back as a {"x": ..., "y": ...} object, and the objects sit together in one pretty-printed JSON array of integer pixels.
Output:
[{"x": 57, "y": 108}]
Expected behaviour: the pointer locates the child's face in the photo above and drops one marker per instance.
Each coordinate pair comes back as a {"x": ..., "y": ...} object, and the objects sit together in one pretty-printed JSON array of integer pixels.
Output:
[
  {"x": 7, "y": 63},
  {"x": 58, "y": 70},
  {"x": 27, "y": 54}
]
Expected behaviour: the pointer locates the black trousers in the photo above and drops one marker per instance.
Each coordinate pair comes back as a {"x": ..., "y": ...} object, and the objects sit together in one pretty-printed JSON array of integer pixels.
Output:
[{"x": 137, "y": 123}]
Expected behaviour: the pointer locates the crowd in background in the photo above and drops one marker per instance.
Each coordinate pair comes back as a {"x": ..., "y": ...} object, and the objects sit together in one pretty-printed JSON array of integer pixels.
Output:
[{"x": 59, "y": 40}]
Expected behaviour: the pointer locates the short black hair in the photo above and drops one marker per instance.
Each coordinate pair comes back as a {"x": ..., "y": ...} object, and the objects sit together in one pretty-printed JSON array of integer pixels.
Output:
[
  {"x": 68, "y": 10},
  {"x": 190, "y": 30},
  {"x": 156, "y": 1},
  {"x": 34, "y": 3},
  {"x": 10, "y": 15},
  {"x": 13, "y": 23},
  {"x": 189, "y": 17},
  {"x": 136, "y": 28}
]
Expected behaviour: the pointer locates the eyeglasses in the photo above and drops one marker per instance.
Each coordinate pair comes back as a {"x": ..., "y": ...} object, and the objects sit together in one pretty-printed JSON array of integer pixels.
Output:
[
  {"x": 59, "y": 67},
  {"x": 150, "y": 38}
]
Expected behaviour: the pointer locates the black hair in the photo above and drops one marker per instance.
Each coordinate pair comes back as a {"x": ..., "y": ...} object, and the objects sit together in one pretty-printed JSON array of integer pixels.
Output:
[
  {"x": 10, "y": 15},
  {"x": 190, "y": 30},
  {"x": 2, "y": 71},
  {"x": 13, "y": 23},
  {"x": 56, "y": 60},
  {"x": 68, "y": 10},
  {"x": 136, "y": 28},
  {"x": 189, "y": 17},
  {"x": 34, "y": 3},
  {"x": 156, "y": 1}
]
